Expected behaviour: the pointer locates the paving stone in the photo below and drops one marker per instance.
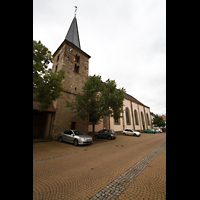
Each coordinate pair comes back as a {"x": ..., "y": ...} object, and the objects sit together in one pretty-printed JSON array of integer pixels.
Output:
[
  {"x": 66, "y": 173},
  {"x": 135, "y": 171}
]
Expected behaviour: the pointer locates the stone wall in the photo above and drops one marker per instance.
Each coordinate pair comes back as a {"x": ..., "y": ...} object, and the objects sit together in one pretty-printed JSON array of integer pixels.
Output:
[{"x": 75, "y": 64}]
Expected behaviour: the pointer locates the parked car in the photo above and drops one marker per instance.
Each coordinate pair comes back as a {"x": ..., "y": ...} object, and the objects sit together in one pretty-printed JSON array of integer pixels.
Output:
[
  {"x": 131, "y": 132},
  {"x": 158, "y": 130},
  {"x": 106, "y": 133},
  {"x": 76, "y": 137},
  {"x": 150, "y": 131}
]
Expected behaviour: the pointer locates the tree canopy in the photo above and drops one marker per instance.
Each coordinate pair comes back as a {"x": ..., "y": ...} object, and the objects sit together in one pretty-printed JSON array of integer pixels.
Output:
[
  {"x": 47, "y": 86},
  {"x": 98, "y": 99},
  {"x": 158, "y": 121}
]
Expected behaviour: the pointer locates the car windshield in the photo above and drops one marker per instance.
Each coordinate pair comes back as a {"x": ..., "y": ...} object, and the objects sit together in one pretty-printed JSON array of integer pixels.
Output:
[{"x": 79, "y": 133}]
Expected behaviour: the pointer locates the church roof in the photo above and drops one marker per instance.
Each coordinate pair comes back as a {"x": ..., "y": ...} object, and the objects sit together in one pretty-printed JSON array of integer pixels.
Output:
[
  {"x": 72, "y": 34},
  {"x": 129, "y": 97}
]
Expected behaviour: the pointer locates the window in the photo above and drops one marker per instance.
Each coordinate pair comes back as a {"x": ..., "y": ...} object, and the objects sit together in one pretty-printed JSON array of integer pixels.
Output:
[
  {"x": 77, "y": 58},
  {"x": 76, "y": 68},
  {"x": 148, "y": 119},
  {"x": 58, "y": 58},
  {"x": 68, "y": 132},
  {"x": 128, "y": 122},
  {"x": 142, "y": 118},
  {"x": 136, "y": 117}
]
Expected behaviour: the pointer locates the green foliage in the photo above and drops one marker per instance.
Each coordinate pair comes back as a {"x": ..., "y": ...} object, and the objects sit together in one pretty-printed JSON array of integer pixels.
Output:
[
  {"x": 47, "y": 86},
  {"x": 97, "y": 100},
  {"x": 159, "y": 121}
]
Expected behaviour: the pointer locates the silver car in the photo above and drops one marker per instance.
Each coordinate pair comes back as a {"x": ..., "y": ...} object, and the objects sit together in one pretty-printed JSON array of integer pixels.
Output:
[
  {"x": 131, "y": 132},
  {"x": 76, "y": 137}
]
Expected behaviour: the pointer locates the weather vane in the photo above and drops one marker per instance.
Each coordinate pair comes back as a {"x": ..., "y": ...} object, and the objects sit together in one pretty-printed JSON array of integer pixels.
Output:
[{"x": 75, "y": 10}]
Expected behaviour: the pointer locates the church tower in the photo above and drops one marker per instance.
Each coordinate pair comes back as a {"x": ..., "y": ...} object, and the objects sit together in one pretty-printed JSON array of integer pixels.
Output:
[{"x": 75, "y": 62}]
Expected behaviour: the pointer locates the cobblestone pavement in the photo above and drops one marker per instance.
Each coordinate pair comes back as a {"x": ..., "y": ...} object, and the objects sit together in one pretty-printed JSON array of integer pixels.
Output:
[
  {"x": 151, "y": 183},
  {"x": 62, "y": 171},
  {"x": 114, "y": 189}
]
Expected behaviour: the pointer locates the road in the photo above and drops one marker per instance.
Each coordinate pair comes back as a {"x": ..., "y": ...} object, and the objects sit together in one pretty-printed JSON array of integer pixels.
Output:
[{"x": 63, "y": 171}]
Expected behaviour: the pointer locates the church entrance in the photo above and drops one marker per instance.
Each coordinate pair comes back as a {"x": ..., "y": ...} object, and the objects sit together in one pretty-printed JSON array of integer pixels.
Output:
[{"x": 39, "y": 121}]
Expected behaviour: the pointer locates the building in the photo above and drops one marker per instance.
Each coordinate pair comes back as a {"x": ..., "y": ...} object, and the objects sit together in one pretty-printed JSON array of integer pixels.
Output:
[
  {"x": 75, "y": 62},
  {"x": 152, "y": 118},
  {"x": 135, "y": 116},
  {"x": 42, "y": 121}
]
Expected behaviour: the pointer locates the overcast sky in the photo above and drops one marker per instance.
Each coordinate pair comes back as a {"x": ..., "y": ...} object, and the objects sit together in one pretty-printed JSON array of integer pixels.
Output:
[{"x": 126, "y": 40}]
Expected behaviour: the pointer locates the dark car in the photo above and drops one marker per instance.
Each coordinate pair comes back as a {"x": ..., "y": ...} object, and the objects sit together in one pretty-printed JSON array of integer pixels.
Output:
[{"x": 106, "y": 133}]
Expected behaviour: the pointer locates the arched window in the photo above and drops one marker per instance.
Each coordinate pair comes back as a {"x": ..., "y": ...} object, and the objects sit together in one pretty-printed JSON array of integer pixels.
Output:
[
  {"x": 128, "y": 121},
  {"x": 148, "y": 119},
  {"x": 142, "y": 116},
  {"x": 136, "y": 117}
]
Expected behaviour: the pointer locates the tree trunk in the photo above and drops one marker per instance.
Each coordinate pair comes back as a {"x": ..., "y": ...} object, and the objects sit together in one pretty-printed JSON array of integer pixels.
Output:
[{"x": 93, "y": 130}]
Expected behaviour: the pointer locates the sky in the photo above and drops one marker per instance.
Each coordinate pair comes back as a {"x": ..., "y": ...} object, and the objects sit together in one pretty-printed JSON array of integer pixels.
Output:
[{"x": 126, "y": 40}]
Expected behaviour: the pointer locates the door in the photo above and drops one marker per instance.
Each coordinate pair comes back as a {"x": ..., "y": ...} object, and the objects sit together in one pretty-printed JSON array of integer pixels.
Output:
[
  {"x": 100, "y": 133},
  {"x": 39, "y": 121},
  {"x": 73, "y": 125},
  {"x": 129, "y": 132},
  {"x": 68, "y": 137},
  {"x": 105, "y": 134}
]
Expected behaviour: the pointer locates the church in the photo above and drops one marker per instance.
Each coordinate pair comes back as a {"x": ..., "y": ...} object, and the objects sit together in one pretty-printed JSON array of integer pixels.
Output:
[{"x": 75, "y": 62}]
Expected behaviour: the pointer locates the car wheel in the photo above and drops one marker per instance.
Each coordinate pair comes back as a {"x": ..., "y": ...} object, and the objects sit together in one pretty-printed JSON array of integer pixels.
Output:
[
  {"x": 76, "y": 142},
  {"x": 109, "y": 137},
  {"x": 60, "y": 139}
]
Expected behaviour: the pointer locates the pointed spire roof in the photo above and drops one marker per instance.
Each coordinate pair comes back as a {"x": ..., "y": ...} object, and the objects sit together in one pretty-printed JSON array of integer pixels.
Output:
[{"x": 72, "y": 34}]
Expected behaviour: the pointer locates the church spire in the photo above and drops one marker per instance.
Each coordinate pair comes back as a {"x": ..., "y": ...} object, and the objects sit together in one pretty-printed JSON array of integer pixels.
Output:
[{"x": 72, "y": 34}]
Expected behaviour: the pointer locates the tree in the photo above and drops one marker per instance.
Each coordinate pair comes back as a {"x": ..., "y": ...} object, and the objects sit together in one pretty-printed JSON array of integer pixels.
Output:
[
  {"x": 159, "y": 121},
  {"x": 47, "y": 86},
  {"x": 98, "y": 99}
]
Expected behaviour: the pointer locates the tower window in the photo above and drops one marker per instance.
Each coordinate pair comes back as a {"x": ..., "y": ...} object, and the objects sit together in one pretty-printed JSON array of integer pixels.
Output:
[
  {"x": 77, "y": 58},
  {"x": 76, "y": 68}
]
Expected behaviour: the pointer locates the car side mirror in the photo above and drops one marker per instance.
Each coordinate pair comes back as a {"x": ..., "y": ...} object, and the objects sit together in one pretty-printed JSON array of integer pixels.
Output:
[{"x": 72, "y": 134}]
